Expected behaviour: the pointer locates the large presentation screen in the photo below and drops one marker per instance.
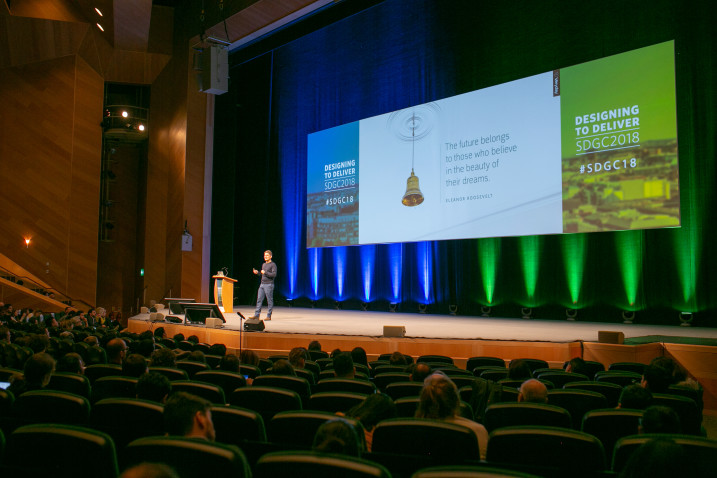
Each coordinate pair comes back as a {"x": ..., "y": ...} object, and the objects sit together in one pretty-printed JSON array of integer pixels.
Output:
[{"x": 591, "y": 147}]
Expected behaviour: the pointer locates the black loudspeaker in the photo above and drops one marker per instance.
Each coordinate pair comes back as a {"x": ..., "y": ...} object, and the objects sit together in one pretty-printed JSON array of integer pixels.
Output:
[{"x": 254, "y": 325}]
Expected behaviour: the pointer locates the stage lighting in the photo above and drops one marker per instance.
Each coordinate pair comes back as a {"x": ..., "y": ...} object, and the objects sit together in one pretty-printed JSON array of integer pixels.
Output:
[
  {"x": 290, "y": 302},
  {"x": 570, "y": 314},
  {"x": 337, "y": 305},
  {"x": 421, "y": 308},
  {"x": 452, "y": 309},
  {"x": 628, "y": 316},
  {"x": 364, "y": 306},
  {"x": 685, "y": 319},
  {"x": 485, "y": 311},
  {"x": 526, "y": 312},
  {"x": 392, "y": 306},
  {"x": 313, "y": 304}
]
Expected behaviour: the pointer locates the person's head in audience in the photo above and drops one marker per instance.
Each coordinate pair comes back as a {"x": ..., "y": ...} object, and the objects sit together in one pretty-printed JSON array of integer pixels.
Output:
[
  {"x": 39, "y": 343},
  {"x": 189, "y": 416},
  {"x": 196, "y": 356},
  {"x": 71, "y": 362},
  {"x": 163, "y": 358},
  {"x": 146, "y": 335},
  {"x": 358, "y": 354},
  {"x": 154, "y": 386},
  {"x": 5, "y": 334},
  {"x": 249, "y": 357},
  {"x": 116, "y": 351},
  {"x": 218, "y": 349},
  {"x": 282, "y": 367},
  {"x": 334, "y": 353},
  {"x": 660, "y": 419},
  {"x": 337, "y": 436},
  {"x": 635, "y": 396},
  {"x": 160, "y": 333},
  {"x": 145, "y": 348},
  {"x": 533, "y": 391},
  {"x": 439, "y": 398},
  {"x": 373, "y": 409},
  {"x": 397, "y": 358},
  {"x": 230, "y": 363},
  {"x": 91, "y": 340},
  {"x": 519, "y": 370},
  {"x": 178, "y": 337},
  {"x": 149, "y": 470},
  {"x": 193, "y": 339},
  {"x": 576, "y": 365},
  {"x": 658, "y": 458},
  {"x": 419, "y": 372},
  {"x": 298, "y": 357},
  {"x": 657, "y": 377},
  {"x": 344, "y": 366},
  {"x": 36, "y": 374},
  {"x": 314, "y": 345},
  {"x": 134, "y": 365}
]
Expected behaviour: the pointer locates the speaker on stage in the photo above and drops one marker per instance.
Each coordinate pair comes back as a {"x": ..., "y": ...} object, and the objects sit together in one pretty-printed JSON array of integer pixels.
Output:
[
  {"x": 254, "y": 325},
  {"x": 610, "y": 337},
  {"x": 213, "y": 323},
  {"x": 394, "y": 331}
]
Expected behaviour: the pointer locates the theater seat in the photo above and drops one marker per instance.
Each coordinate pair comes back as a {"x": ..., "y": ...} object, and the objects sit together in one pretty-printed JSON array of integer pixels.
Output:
[
  {"x": 306, "y": 464},
  {"x": 334, "y": 401},
  {"x": 479, "y": 471},
  {"x": 577, "y": 402},
  {"x": 126, "y": 419},
  {"x": 700, "y": 452},
  {"x": 345, "y": 385},
  {"x": 500, "y": 415},
  {"x": 70, "y": 382},
  {"x": 611, "y": 424},
  {"x": 265, "y": 400},
  {"x": 297, "y": 428},
  {"x": 50, "y": 406},
  {"x": 208, "y": 391},
  {"x": 234, "y": 425}
]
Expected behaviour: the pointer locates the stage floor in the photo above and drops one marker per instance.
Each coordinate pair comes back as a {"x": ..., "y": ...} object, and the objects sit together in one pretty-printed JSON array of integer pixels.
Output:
[{"x": 296, "y": 320}]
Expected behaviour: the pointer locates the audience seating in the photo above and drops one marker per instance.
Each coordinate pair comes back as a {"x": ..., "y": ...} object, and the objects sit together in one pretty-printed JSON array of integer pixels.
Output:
[
  {"x": 286, "y": 382},
  {"x": 235, "y": 425},
  {"x": 251, "y": 371},
  {"x": 382, "y": 380},
  {"x": 686, "y": 409},
  {"x": 192, "y": 367},
  {"x": 418, "y": 436},
  {"x": 6, "y": 373},
  {"x": 493, "y": 373},
  {"x": 313, "y": 367},
  {"x": 334, "y": 401},
  {"x": 114, "y": 387},
  {"x": 204, "y": 348},
  {"x": 50, "y": 406},
  {"x": 577, "y": 402},
  {"x": 265, "y": 364},
  {"x": 213, "y": 361},
  {"x": 398, "y": 390},
  {"x": 464, "y": 471},
  {"x": 689, "y": 392},
  {"x": 59, "y": 451},
  {"x": 611, "y": 391},
  {"x": 534, "y": 364},
  {"x": 266, "y": 400},
  {"x": 619, "y": 377},
  {"x": 592, "y": 367},
  {"x": 307, "y": 464},
  {"x": 126, "y": 419},
  {"x": 99, "y": 370},
  {"x": 171, "y": 373},
  {"x": 560, "y": 378},
  {"x": 185, "y": 345},
  {"x": 435, "y": 359},
  {"x": 208, "y": 391},
  {"x": 388, "y": 369},
  {"x": 307, "y": 374},
  {"x": 499, "y": 415},
  {"x": 6, "y": 401},
  {"x": 406, "y": 407},
  {"x": 634, "y": 367},
  {"x": 609, "y": 425},
  {"x": 169, "y": 343},
  {"x": 227, "y": 381},
  {"x": 318, "y": 354},
  {"x": 70, "y": 382},
  {"x": 297, "y": 428},
  {"x": 700, "y": 452},
  {"x": 345, "y": 385},
  {"x": 191, "y": 458},
  {"x": 474, "y": 362},
  {"x": 324, "y": 362},
  {"x": 572, "y": 451}
]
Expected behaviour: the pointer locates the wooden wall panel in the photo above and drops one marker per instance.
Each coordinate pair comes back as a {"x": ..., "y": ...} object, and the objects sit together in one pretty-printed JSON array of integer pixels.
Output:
[
  {"x": 63, "y": 10},
  {"x": 32, "y": 40},
  {"x": 135, "y": 67},
  {"x": 131, "y": 24}
]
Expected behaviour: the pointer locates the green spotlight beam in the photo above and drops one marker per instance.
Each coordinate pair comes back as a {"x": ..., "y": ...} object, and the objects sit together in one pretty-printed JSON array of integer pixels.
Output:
[
  {"x": 529, "y": 247},
  {"x": 630, "y": 251},
  {"x": 574, "y": 246},
  {"x": 488, "y": 254}
]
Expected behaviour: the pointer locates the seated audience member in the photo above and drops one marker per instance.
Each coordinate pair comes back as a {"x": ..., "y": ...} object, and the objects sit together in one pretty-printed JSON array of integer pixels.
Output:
[
  {"x": 334, "y": 353},
  {"x": 5, "y": 335},
  {"x": 660, "y": 419},
  {"x": 657, "y": 377},
  {"x": 337, "y": 436},
  {"x": 314, "y": 345},
  {"x": 189, "y": 416},
  {"x": 163, "y": 358},
  {"x": 193, "y": 339},
  {"x": 419, "y": 372},
  {"x": 519, "y": 370},
  {"x": 249, "y": 357},
  {"x": 178, "y": 338},
  {"x": 36, "y": 374},
  {"x": 576, "y": 365},
  {"x": 196, "y": 356},
  {"x": 635, "y": 396},
  {"x": 149, "y": 470},
  {"x": 344, "y": 366},
  {"x": 91, "y": 340},
  {"x": 230, "y": 363},
  {"x": 39, "y": 343},
  {"x": 218, "y": 349},
  {"x": 116, "y": 351},
  {"x": 154, "y": 386},
  {"x": 145, "y": 348},
  {"x": 135, "y": 365},
  {"x": 358, "y": 355},
  {"x": 282, "y": 367},
  {"x": 660, "y": 458},
  {"x": 533, "y": 391},
  {"x": 71, "y": 362},
  {"x": 159, "y": 334},
  {"x": 298, "y": 357},
  {"x": 372, "y": 410},
  {"x": 397, "y": 358},
  {"x": 440, "y": 400}
]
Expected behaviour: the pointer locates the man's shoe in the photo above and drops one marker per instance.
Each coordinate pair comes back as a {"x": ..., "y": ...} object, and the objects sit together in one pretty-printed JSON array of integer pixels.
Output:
[
  {"x": 268, "y": 318},
  {"x": 253, "y": 317}
]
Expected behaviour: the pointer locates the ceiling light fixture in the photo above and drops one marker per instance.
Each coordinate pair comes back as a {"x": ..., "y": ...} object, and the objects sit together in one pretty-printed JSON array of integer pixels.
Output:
[
  {"x": 98, "y": 12},
  {"x": 100, "y": 27}
]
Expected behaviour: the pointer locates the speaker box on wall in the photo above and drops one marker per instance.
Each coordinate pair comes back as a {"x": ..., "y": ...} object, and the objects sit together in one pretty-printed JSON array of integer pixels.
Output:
[
  {"x": 254, "y": 325},
  {"x": 394, "y": 330},
  {"x": 610, "y": 337},
  {"x": 215, "y": 70}
]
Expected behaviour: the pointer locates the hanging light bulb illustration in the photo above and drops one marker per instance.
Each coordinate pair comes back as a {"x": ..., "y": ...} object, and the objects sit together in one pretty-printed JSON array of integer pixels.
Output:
[{"x": 413, "y": 195}]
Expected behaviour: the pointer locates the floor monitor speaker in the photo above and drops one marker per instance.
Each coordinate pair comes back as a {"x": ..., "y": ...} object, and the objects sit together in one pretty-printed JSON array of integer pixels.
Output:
[
  {"x": 610, "y": 337},
  {"x": 254, "y": 325},
  {"x": 394, "y": 330}
]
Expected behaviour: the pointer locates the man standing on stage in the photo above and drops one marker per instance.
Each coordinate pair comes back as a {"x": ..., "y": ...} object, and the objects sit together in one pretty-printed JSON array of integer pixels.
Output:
[{"x": 266, "y": 287}]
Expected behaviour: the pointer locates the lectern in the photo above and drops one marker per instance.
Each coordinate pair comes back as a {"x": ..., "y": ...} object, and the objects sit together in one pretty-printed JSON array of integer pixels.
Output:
[{"x": 224, "y": 292}]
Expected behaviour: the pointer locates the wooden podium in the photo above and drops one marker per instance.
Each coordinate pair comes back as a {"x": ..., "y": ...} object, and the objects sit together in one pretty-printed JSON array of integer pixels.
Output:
[{"x": 224, "y": 293}]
